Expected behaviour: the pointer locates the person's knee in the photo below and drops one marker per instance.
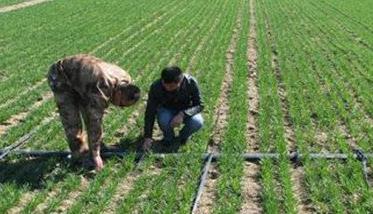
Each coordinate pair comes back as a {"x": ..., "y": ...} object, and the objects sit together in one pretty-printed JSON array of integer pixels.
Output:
[
  {"x": 164, "y": 120},
  {"x": 164, "y": 124},
  {"x": 197, "y": 122}
]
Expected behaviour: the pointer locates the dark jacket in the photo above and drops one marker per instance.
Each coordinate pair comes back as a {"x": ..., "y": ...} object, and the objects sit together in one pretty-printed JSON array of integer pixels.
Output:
[{"x": 186, "y": 99}]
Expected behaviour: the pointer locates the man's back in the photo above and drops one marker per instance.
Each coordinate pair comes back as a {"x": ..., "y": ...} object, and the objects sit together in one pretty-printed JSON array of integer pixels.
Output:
[{"x": 87, "y": 73}]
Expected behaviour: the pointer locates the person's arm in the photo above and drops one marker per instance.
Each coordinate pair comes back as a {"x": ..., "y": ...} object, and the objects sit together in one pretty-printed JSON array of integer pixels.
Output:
[
  {"x": 197, "y": 103},
  {"x": 151, "y": 110}
]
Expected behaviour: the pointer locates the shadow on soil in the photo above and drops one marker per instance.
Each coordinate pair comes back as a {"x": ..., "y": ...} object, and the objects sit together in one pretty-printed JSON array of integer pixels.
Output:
[{"x": 34, "y": 173}]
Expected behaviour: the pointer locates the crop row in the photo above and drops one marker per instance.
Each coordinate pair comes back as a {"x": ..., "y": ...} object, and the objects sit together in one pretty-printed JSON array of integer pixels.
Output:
[
  {"x": 305, "y": 51},
  {"x": 58, "y": 142},
  {"x": 4, "y": 3},
  {"x": 55, "y": 136},
  {"x": 313, "y": 79}
]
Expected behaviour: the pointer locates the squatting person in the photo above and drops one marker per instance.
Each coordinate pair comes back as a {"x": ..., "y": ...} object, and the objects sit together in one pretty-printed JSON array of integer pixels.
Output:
[
  {"x": 83, "y": 87},
  {"x": 174, "y": 99}
]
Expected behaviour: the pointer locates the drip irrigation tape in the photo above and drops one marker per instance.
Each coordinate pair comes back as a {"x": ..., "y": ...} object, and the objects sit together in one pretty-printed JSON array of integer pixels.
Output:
[
  {"x": 216, "y": 156},
  {"x": 24, "y": 139},
  {"x": 202, "y": 183}
]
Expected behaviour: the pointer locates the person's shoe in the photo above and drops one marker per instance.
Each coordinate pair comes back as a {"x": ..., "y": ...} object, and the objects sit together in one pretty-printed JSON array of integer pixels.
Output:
[
  {"x": 88, "y": 163},
  {"x": 76, "y": 158},
  {"x": 167, "y": 145}
]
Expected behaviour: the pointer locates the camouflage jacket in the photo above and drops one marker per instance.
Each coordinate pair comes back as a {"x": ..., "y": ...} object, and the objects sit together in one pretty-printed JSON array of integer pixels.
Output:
[{"x": 93, "y": 79}]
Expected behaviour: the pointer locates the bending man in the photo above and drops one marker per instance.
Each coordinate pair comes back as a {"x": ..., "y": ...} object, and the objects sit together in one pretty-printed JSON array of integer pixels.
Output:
[
  {"x": 83, "y": 86},
  {"x": 174, "y": 99}
]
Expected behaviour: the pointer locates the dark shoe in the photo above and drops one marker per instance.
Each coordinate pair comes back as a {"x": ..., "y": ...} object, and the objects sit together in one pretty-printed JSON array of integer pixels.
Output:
[
  {"x": 166, "y": 146},
  {"x": 88, "y": 164},
  {"x": 77, "y": 158}
]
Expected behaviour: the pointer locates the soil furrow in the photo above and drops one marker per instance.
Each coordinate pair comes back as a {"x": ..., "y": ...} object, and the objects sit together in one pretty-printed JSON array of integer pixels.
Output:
[
  {"x": 21, "y": 5},
  {"x": 26, "y": 137},
  {"x": 296, "y": 172},
  {"x": 72, "y": 196},
  {"x": 250, "y": 183},
  {"x": 20, "y": 117},
  {"x": 221, "y": 117},
  {"x": 52, "y": 194},
  {"x": 122, "y": 190},
  {"x": 23, "y": 201}
]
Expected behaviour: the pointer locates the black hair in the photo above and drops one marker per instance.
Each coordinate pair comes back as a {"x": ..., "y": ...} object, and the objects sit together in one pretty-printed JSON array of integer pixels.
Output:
[
  {"x": 172, "y": 74},
  {"x": 132, "y": 92}
]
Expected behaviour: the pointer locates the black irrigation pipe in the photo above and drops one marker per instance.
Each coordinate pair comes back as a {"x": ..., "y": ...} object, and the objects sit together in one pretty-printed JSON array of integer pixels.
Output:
[
  {"x": 215, "y": 157},
  {"x": 202, "y": 183},
  {"x": 23, "y": 140},
  {"x": 20, "y": 142},
  {"x": 295, "y": 157}
]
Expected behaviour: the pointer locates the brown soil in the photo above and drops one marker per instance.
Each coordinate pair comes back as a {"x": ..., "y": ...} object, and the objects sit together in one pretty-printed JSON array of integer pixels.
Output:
[
  {"x": 53, "y": 193},
  {"x": 297, "y": 187},
  {"x": 321, "y": 139},
  {"x": 154, "y": 171},
  {"x": 72, "y": 196},
  {"x": 122, "y": 190},
  {"x": 251, "y": 189},
  {"x": 21, "y": 5},
  {"x": 370, "y": 175},
  {"x": 24, "y": 200},
  {"x": 125, "y": 187},
  {"x": 352, "y": 142},
  {"x": 250, "y": 183},
  {"x": 289, "y": 130},
  {"x": 253, "y": 94},
  {"x": 222, "y": 110},
  {"x": 221, "y": 116},
  {"x": 208, "y": 197},
  {"x": 297, "y": 178}
]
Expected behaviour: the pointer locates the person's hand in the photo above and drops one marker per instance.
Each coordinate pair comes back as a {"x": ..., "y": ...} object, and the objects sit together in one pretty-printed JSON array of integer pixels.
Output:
[
  {"x": 99, "y": 163},
  {"x": 177, "y": 120},
  {"x": 147, "y": 144}
]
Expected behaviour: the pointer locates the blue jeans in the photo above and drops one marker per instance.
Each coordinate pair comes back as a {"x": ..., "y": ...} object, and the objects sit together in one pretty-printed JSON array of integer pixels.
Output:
[{"x": 191, "y": 124}]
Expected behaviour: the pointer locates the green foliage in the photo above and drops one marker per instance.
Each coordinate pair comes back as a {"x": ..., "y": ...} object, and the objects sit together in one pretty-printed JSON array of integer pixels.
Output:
[{"x": 323, "y": 52}]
